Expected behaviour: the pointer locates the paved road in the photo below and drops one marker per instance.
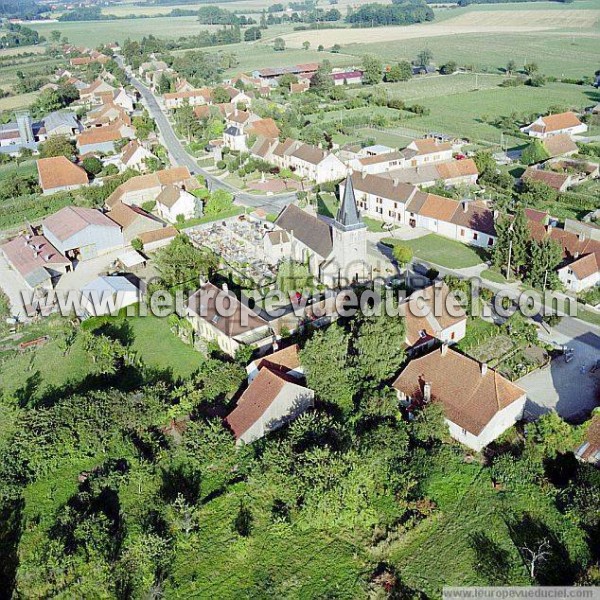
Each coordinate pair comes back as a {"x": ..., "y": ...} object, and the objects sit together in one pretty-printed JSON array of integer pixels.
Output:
[{"x": 181, "y": 158}]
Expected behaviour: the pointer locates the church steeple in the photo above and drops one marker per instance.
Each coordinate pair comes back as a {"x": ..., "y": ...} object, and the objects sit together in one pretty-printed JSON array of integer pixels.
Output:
[{"x": 348, "y": 217}]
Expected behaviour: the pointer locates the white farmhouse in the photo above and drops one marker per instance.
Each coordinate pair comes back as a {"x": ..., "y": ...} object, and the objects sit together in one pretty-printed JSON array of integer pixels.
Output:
[
  {"x": 479, "y": 403},
  {"x": 175, "y": 201},
  {"x": 550, "y": 125}
]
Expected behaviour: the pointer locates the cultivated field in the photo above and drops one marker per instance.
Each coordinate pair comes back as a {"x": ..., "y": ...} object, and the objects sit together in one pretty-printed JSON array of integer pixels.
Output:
[
  {"x": 93, "y": 33},
  {"x": 493, "y": 22}
]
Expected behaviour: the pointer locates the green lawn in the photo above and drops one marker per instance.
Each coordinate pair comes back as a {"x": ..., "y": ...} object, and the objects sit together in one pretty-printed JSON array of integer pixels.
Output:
[
  {"x": 441, "y": 251},
  {"x": 477, "y": 331},
  {"x": 327, "y": 204},
  {"x": 493, "y": 275}
]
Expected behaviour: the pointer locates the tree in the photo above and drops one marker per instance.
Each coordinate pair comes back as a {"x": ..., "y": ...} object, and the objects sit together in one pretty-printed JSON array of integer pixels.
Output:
[
  {"x": 305, "y": 45},
  {"x": 449, "y": 68},
  {"x": 164, "y": 84},
  {"x": 55, "y": 36},
  {"x": 402, "y": 254},
  {"x": 105, "y": 352},
  {"x": 252, "y": 34},
  {"x": 424, "y": 57},
  {"x": 328, "y": 368},
  {"x": 372, "y": 70},
  {"x": 379, "y": 346},
  {"x": 399, "y": 72},
  {"x": 57, "y": 145},
  {"x": 321, "y": 81},
  {"x": 181, "y": 261},
  {"x": 536, "y": 80},
  {"x": 511, "y": 67},
  {"x": 336, "y": 49},
  {"x": 543, "y": 258},
  {"x": 320, "y": 48},
  {"x": 512, "y": 242},
  {"x": 219, "y": 201},
  {"x": 286, "y": 80},
  {"x": 92, "y": 165},
  {"x": 279, "y": 44},
  {"x": 530, "y": 68},
  {"x": 220, "y": 95},
  {"x": 534, "y": 152},
  {"x": 144, "y": 125}
]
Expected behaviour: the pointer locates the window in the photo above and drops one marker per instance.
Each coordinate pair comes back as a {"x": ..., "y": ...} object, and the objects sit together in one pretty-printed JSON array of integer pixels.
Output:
[
  {"x": 391, "y": 213},
  {"x": 452, "y": 335},
  {"x": 475, "y": 236},
  {"x": 490, "y": 241},
  {"x": 462, "y": 233}
]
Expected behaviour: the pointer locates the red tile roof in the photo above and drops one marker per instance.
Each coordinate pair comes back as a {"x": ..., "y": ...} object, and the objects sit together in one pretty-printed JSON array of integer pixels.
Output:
[
  {"x": 470, "y": 398},
  {"x": 59, "y": 171},
  {"x": 256, "y": 399}
]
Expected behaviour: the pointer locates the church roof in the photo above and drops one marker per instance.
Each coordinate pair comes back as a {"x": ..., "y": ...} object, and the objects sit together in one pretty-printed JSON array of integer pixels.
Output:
[{"x": 348, "y": 217}]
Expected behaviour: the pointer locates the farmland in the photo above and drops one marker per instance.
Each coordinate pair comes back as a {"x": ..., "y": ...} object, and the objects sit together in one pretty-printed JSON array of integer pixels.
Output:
[{"x": 94, "y": 33}]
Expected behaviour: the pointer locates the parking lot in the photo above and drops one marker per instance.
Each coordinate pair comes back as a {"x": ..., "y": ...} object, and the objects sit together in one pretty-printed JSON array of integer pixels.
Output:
[{"x": 573, "y": 388}]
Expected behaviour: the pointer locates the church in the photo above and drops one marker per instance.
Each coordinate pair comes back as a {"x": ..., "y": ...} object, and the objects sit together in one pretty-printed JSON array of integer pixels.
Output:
[{"x": 335, "y": 250}]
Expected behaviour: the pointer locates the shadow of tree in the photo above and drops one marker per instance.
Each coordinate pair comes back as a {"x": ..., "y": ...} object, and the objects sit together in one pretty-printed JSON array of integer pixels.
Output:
[
  {"x": 491, "y": 560},
  {"x": 528, "y": 534}
]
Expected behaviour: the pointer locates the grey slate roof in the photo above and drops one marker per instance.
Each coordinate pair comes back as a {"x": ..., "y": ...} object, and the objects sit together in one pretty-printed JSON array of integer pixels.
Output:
[
  {"x": 348, "y": 218},
  {"x": 310, "y": 230}
]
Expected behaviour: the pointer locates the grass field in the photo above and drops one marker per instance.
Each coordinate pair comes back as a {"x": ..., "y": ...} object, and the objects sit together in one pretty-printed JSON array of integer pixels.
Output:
[
  {"x": 24, "y": 169},
  {"x": 93, "y": 33},
  {"x": 557, "y": 54},
  {"x": 19, "y": 101},
  {"x": 440, "y": 251},
  {"x": 153, "y": 341},
  {"x": 461, "y": 113}
]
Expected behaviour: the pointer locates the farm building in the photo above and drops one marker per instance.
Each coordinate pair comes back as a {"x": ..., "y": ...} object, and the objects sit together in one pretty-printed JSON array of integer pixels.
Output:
[{"x": 82, "y": 233}]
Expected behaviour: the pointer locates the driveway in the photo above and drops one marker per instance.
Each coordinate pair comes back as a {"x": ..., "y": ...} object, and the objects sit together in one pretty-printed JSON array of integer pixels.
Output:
[
  {"x": 569, "y": 388},
  {"x": 12, "y": 285}
]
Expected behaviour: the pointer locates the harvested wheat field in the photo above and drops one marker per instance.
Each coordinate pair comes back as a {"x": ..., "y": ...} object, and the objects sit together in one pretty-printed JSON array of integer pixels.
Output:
[{"x": 499, "y": 21}]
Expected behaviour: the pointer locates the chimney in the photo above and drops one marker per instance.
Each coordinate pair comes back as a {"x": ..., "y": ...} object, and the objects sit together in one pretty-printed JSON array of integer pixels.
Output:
[
  {"x": 396, "y": 182},
  {"x": 496, "y": 215},
  {"x": 427, "y": 392},
  {"x": 225, "y": 287},
  {"x": 576, "y": 255},
  {"x": 444, "y": 349},
  {"x": 275, "y": 345},
  {"x": 581, "y": 236},
  {"x": 549, "y": 228},
  {"x": 484, "y": 369},
  {"x": 364, "y": 174},
  {"x": 465, "y": 206}
]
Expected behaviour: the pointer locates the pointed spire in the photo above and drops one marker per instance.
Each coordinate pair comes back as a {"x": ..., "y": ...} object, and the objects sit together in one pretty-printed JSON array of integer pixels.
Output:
[{"x": 348, "y": 216}]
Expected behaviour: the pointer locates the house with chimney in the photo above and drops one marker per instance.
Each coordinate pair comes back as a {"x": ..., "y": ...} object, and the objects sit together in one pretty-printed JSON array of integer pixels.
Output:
[
  {"x": 59, "y": 174},
  {"x": 335, "y": 252},
  {"x": 102, "y": 140},
  {"x": 217, "y": 315},
  {"x": 306, "y": 161},
  {"x": 96, "y": 92},
  {"x": 285, "y": 360},
  {"x": 271, "y": 400},
  {"x": 395, "y": 202},
  {"x": 433, "y": 315},
  {"x": 37, "y": 262},
  {"x": 479, "y": 404},
  {"x": 145, "y": 188},
  {"x": 175, "y": 203},
  {"x": 580, "y": 268},
  {"x": 134, "y": 155},
  {"x": 557, "y": 124}
]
